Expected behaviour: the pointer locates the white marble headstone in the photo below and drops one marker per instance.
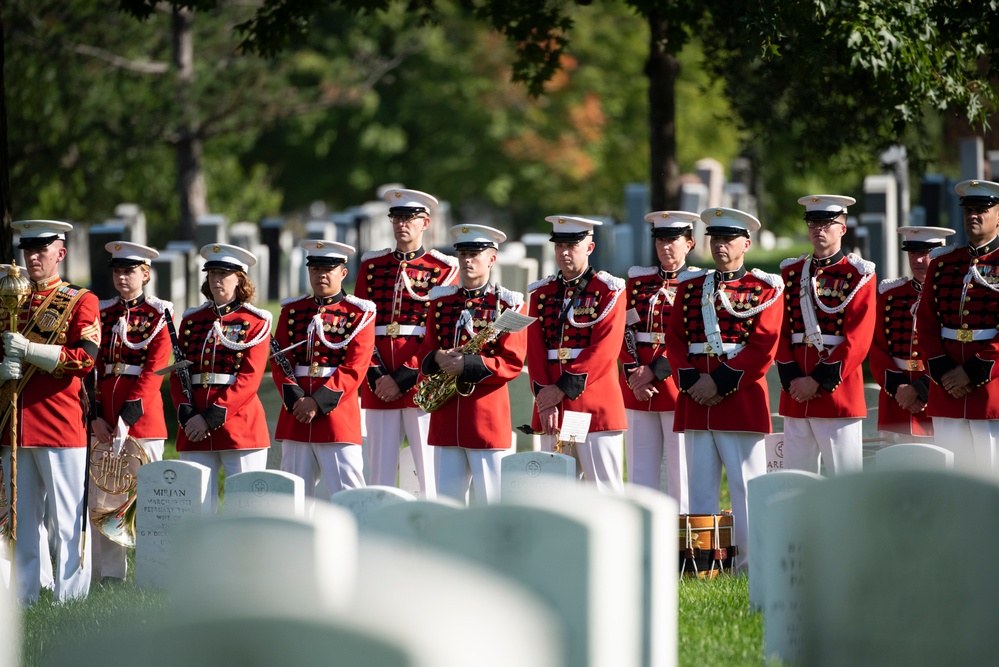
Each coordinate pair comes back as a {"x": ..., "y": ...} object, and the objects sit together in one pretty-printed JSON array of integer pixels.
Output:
[
  {"x": 659, "y": 514},
  {"x": 362, "y": 502},
  {"x": 525, "y": 472},
  {"x": 410, "y": 520},
  {"x": 409, "y": 481},
  {"x": 913, "y": 456},
  {"x": 774, "y": 443},
  {"x": 167, "y": 492},
  {"x": 268, "y": 563},
  {"x": 898, "y": 570},
  {"x": 563, "y": 551},
  {"x": 760, "y": 491},
  {"x": 783, "y": 577},
  {"x": 269, "y": 490}
]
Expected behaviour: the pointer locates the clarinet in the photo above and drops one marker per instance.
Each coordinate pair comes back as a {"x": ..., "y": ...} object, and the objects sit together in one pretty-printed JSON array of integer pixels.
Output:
[
  {"x": 183, "y": 374},
  {"x": 282, "y": 361}
]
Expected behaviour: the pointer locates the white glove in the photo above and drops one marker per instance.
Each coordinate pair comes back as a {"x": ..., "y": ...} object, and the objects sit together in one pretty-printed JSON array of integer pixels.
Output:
[
  {"x": 120, "y": 434},
  {"x": 10, "y": 369},
  {"x": 15, "y": 345}
]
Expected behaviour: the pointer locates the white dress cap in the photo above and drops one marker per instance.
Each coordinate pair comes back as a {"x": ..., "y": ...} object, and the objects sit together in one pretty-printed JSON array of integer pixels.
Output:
[
  {"x": 326, "y": 253},
  {"x": 125, "y": 253},
  {"x": 475, "y": 237},
  {"x": 227, "y": 257},
  {"x": 571, "y": 228},
  {"x": 978, "y": 193},
  {"x": 825, "y": 207},
  {"x": 670, "y": 224},
  {"x": 409, "y": 201},
  {"x": 923, "y": 238},
  {"x": 729, "y": 222},
  {"x": 40, "y": 233}
]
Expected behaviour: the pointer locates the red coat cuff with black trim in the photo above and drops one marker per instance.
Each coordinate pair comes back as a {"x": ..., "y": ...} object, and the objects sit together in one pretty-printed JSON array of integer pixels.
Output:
[
  {"x": 214, "y": 416},
  {"x": 787, "y": 371},
  {"x": 979, "y": 370},
  {"x": 572, "y": 384},
  {"x": 940, "y": 366},
  {"x": 726, "y": 379},
  {"x": 660, "y": 368},
  {"x": 185, "y": 411},
  {"x": 327, "y": 399},
  {"x": 922, "y": 386},
  {"x": 894, "y": 380},
  {"x": 688, "y": 377},
  {"x": 290, "y": 394},
  {"x": 131, "y": 411},
  {"x": 475, "y": 370},
  {"x": 406, "y": 378},
  {"x": 828, "y": 375}
]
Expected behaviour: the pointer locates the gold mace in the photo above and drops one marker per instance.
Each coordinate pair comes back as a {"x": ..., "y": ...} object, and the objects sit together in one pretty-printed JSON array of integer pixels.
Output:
[{"x": 14, "y": 292}]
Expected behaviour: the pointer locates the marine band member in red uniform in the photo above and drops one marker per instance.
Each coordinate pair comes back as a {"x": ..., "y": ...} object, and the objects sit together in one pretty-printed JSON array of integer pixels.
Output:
[
  {"x": 572, "y": 351},
  {"x": 135, "y": 343},
  {"x": 959, "y": 336},
  {"x": 227, "y": 341},
  {"x": 321, "y": 424},
  {"x": 399, "y": 283},
  {"x": 829, "y": 320},
  {"x": 58, "y": 343},
  {"x": 647, "y": 383},
  {"x": 471, "y": 432},
  {"x": 721, "y": 341},
  {"x": 896, "y": 362}
]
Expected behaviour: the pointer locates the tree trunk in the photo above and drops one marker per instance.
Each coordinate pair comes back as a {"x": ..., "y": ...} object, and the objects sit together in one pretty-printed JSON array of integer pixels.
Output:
[
  {"x": 190, "y": 178},
  {"x": 6, "y": 237},
  {"x": 662, "y": 69}
]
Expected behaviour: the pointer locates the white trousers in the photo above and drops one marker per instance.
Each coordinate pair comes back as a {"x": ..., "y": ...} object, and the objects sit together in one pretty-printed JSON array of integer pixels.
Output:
[
  {"x": 459, "y": 469},
  {"x": 385, "y": 431},
  {"x": 651, "y": 444},
  {"x": 339, "y": 465},
  {"x": 47, "y": 578},
  {"x": 599, "y": 458},
  {"x": 50, "y": 480},
  {"x": 975, "y": 443},
  {"x": 744, "y": 456},
  {"x": 839, "y": 441},
  {"x": 233, "y": 461},
  {"x": 109, "y": 558}
]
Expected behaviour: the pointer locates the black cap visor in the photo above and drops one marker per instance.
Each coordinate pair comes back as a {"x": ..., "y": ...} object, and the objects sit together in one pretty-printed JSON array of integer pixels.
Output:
[{"x": 722, "y": 230}]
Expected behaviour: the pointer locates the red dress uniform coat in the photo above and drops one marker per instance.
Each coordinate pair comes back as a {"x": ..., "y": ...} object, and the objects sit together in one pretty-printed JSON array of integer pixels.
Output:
[
  {"x": 895, "y": 359},
  {"x": 330, "y": 367},
  {"x": 957, "y": 320},
  {"x": 135, "y": 343},
  {"x": 651, "y": 292},
  {"x": 579, "y": 352},
  {"x": 228, "y": 348},
  {"x": 480, "y": 420},
  {"x": 749, "y": 325},
  {"x": 399, "y": 284},
  {"x": 51, "y": 413},
  {"x": 844, "y": 286}
]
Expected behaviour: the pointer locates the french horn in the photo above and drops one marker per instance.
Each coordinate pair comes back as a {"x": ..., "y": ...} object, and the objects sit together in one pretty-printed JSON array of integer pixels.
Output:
[{"x": 117, "y": 474}]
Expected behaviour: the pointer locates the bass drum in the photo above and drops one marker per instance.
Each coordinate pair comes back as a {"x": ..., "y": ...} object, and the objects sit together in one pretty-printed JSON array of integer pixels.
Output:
[{"x": 706, "y": 548}]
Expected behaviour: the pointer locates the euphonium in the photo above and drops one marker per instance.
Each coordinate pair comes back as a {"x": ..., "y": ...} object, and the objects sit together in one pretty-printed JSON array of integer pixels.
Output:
[
  {"x": 437, "y": 389},
  {"x": 117, "y": 474}
]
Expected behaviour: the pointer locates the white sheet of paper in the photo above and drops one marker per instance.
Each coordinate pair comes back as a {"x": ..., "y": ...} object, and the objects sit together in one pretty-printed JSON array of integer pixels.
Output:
[
  {"x": 512, "y": 321},
  {"x": 575, "y": 426}
]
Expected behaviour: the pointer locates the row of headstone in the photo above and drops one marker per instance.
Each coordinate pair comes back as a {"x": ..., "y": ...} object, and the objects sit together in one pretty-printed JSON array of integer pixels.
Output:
[
  {"x": 799, "y": 551},
  {"x": 550, "y": 541}
]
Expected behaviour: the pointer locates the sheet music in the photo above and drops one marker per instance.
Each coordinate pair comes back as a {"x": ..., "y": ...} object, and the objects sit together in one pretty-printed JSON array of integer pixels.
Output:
[
  {"x": 511, "y": 321},
  {"x": 575, "y": 426}
]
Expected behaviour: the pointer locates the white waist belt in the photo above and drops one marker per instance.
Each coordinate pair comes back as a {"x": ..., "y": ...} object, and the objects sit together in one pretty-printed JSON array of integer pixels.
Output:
[
  {"x": 400, "y": 330},
  {"x": 909, "y": 364},
  {"x": 967, "y": 335},
  {"x": 564, "y": 353},
  {"x": 315, "y": 371},
  {"x": 730, "y": 349},
  {"x": 828, "y": 341},
  {"x": 657, "y": 337},
  {"x": 213, "y": 378},
  {"x": 119, "y": 368}
]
